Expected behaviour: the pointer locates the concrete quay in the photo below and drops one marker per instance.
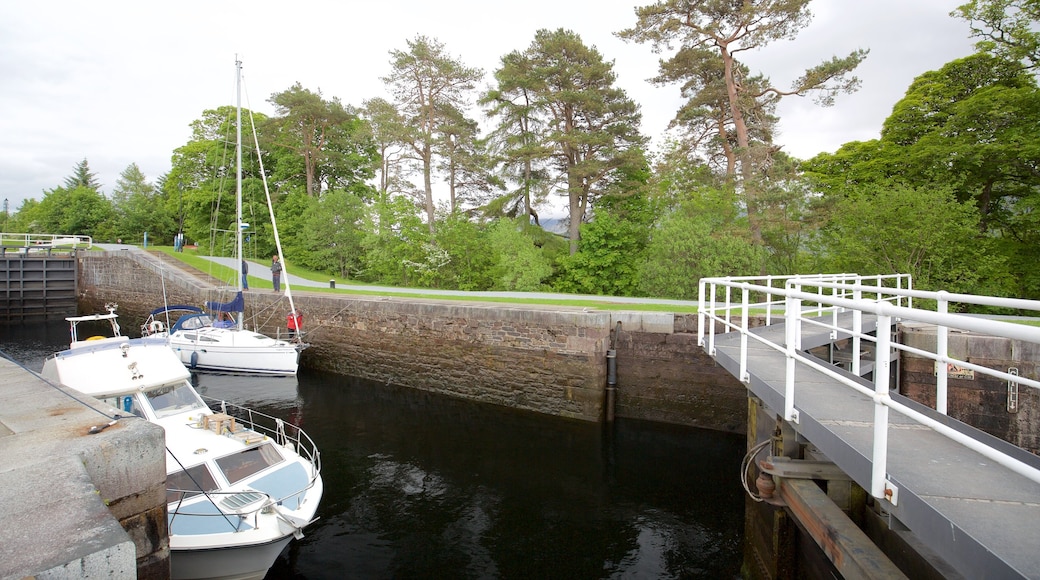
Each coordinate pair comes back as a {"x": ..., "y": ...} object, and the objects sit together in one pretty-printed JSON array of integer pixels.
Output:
[{"x": 75, "y": 504}]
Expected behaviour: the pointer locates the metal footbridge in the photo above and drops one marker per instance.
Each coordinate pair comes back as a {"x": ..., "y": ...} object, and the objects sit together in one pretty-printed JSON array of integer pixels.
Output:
[{"x": 971, "y": 498}]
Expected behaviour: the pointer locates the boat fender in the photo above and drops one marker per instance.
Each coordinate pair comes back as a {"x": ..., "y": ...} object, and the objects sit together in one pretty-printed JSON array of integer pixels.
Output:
[{"x": 194, "y": 359}]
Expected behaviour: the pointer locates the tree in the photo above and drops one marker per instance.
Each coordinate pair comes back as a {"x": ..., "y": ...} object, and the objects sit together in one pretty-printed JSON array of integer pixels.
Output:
[
  {"x": 329, "y": 146},
  {"x": 137, "y": 208},
  {"x": 83, "y": 177},
  {"x": 718, "y": 30},
  {"x": 969, "y": 128},
  {"x": 519, "y": 264},
  {"x": 591, "y": 127},
  {"x": 517, "y": 140},
  {"x": 334, "y": 233},
  {"x": 80, "y": 211},
  {"x": 924, "y": 232},
  {"x": 1007, "y": 28},
  {"x": 427, "y": 85}
]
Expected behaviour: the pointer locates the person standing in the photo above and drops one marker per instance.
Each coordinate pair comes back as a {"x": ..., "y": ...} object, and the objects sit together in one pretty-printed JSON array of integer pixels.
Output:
[
  {"x": 245, "y": 276},
  {"x": 276, "y": 273},
  {"x": 294, "y": 323}
]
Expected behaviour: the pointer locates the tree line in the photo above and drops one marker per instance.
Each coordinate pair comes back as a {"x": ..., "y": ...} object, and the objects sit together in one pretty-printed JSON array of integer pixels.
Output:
[{"x": 412, "y": 190}]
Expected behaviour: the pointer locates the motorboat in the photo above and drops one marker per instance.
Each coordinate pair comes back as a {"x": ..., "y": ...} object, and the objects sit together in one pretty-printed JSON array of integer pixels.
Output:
[
  {"x": 218, "y": 343},
  {"x": 240, "y": 484}
]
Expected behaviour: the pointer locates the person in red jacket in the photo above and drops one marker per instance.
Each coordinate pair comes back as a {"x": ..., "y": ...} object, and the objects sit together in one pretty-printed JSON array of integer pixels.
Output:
[{"x": 294, "y": 322}]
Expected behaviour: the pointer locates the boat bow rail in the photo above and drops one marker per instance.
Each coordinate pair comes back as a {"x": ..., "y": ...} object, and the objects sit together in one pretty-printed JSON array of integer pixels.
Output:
[{"x": 283, "y": 433}]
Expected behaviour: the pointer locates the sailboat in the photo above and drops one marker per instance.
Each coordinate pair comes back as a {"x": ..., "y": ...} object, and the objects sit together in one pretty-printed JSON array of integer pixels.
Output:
[
  {"x": 226, "y": 345},
  {"x": 240, "y": 484}
]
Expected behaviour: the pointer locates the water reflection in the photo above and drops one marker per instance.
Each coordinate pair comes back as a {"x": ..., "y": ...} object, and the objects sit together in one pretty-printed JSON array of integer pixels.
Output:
[{"x": 420, "y": 486}]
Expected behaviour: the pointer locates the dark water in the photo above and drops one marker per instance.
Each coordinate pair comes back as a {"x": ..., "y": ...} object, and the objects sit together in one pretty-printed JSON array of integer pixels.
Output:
[{"x": 423, "y": 486}]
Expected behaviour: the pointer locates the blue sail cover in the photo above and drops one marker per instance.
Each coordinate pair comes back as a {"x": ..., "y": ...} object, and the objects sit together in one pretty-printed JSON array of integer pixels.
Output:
[{"x": 236, "y": 305}]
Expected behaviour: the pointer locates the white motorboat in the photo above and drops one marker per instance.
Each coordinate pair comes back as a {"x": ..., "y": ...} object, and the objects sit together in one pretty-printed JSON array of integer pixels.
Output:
[
  {"x": 202, "y": 343},
  {"x": 240, "y": 484}
]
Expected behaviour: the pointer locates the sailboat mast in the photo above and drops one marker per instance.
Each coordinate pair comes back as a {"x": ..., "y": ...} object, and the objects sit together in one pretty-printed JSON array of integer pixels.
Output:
[{"x": 238, "y": 178}]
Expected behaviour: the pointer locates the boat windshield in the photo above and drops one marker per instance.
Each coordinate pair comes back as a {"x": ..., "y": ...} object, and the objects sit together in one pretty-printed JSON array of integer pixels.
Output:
[
  {"x": 245, "y": 463},
  {"x": 193, "y": 321},
  {"x": 173, "y": 399},
  {"x": 186, "y": 484}
]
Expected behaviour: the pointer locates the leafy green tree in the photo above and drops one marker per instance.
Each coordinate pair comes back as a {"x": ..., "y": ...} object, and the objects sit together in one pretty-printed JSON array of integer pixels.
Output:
[
  {"x": 79, "y": 211},
  {"x": 399, "y": 240},
  {"x": 138, "y": 208},
  {"x": 712, "y": 31},
  {"x": 466, "y": 162},
  {"x": 428, "y": 85},
  {"x": 203, "y": 180},
  {"x": 328, "y": 144},
  {"x": 519, "y": 264},
  {"x": 968, "y": 128},
  {"x": 1006, "y": 28},
  {"x": 458, "y": 256},
  {"x": 689, "y": 244},
  {"x": 925, "y": 232},
  {"x": 389, "y": 132},
  {"x": 612, "y": 243},
  {"x": 334, "y": 234}
]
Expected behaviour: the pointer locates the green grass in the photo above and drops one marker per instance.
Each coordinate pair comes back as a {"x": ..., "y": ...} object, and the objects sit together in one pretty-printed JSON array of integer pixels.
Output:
[{"x": 193, "y": 259}]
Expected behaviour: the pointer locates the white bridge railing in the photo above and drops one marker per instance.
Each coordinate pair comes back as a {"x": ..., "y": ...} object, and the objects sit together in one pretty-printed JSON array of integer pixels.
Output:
[
  {"x": 43, "y": 242},
  {"x": 817, "y": 300}
]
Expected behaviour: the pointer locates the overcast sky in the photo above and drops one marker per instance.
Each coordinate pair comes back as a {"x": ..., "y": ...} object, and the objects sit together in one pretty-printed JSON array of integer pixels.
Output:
[{"x": 119, "y": 82}]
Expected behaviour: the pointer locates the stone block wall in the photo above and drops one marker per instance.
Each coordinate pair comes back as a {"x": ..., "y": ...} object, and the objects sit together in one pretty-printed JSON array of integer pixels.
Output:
[{"x": 544, "y": 359}]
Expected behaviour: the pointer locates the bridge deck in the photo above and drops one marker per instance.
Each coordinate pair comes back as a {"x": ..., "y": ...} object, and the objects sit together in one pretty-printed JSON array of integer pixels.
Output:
[{"x": 979, "y": 516}]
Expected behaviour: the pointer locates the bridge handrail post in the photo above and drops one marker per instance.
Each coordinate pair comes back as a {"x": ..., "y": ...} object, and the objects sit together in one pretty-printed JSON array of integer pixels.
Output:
[
  {"x": 857, "y": 331},
  {"x": 942, "y": 338},
  {"x": 769, "y": 300},
  {"x": 744, "y": 305},
  {"x": 792, "y": 316},
  {"x": 701, "y": 313},
  {"x": 711, "y": 321},
  {"x": 879, "y": 460}
]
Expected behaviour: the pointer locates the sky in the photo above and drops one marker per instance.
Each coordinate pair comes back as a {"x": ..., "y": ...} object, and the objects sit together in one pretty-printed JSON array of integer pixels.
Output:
[{"x": 119, "y": 82}]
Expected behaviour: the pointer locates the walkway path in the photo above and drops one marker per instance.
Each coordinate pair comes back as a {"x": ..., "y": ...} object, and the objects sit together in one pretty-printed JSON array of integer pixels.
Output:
[{"x": 263, "y": 270}]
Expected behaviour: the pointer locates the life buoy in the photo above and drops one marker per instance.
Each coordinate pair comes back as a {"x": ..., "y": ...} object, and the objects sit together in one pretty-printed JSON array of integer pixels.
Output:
[{"x": 156, "y": 326}]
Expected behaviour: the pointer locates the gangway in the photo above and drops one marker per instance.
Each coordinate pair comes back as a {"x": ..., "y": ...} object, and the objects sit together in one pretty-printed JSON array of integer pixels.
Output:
[{"x": 971, "y": 498}]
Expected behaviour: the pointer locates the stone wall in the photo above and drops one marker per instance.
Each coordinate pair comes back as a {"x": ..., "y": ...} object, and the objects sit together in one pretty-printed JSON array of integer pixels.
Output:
[{"x": 548, "y": 359}]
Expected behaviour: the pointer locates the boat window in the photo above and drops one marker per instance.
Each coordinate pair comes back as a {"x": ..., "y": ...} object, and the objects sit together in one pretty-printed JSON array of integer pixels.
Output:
[
  {"x": 174, "y": 399},
  {"x": 245, "y": 463},
  {"x": 189, "y": 483},
  {"x": 124, "y": 404}
]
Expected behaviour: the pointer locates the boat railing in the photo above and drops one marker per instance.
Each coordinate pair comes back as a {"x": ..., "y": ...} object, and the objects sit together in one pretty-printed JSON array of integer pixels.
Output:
[{"x": 282, "y": 432}]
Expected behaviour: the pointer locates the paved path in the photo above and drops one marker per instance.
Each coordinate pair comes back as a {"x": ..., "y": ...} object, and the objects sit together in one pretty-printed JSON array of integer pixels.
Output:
[{"x": 263, "y": 270}]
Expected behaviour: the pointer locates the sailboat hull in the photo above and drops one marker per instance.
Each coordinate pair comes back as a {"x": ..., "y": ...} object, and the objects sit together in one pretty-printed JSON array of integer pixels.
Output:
[{"x": 233, "y": 351}]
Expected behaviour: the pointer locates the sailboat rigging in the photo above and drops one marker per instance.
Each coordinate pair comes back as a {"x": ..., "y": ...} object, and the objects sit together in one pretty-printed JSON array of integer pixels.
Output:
[{"x": 205, "y": 344}]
